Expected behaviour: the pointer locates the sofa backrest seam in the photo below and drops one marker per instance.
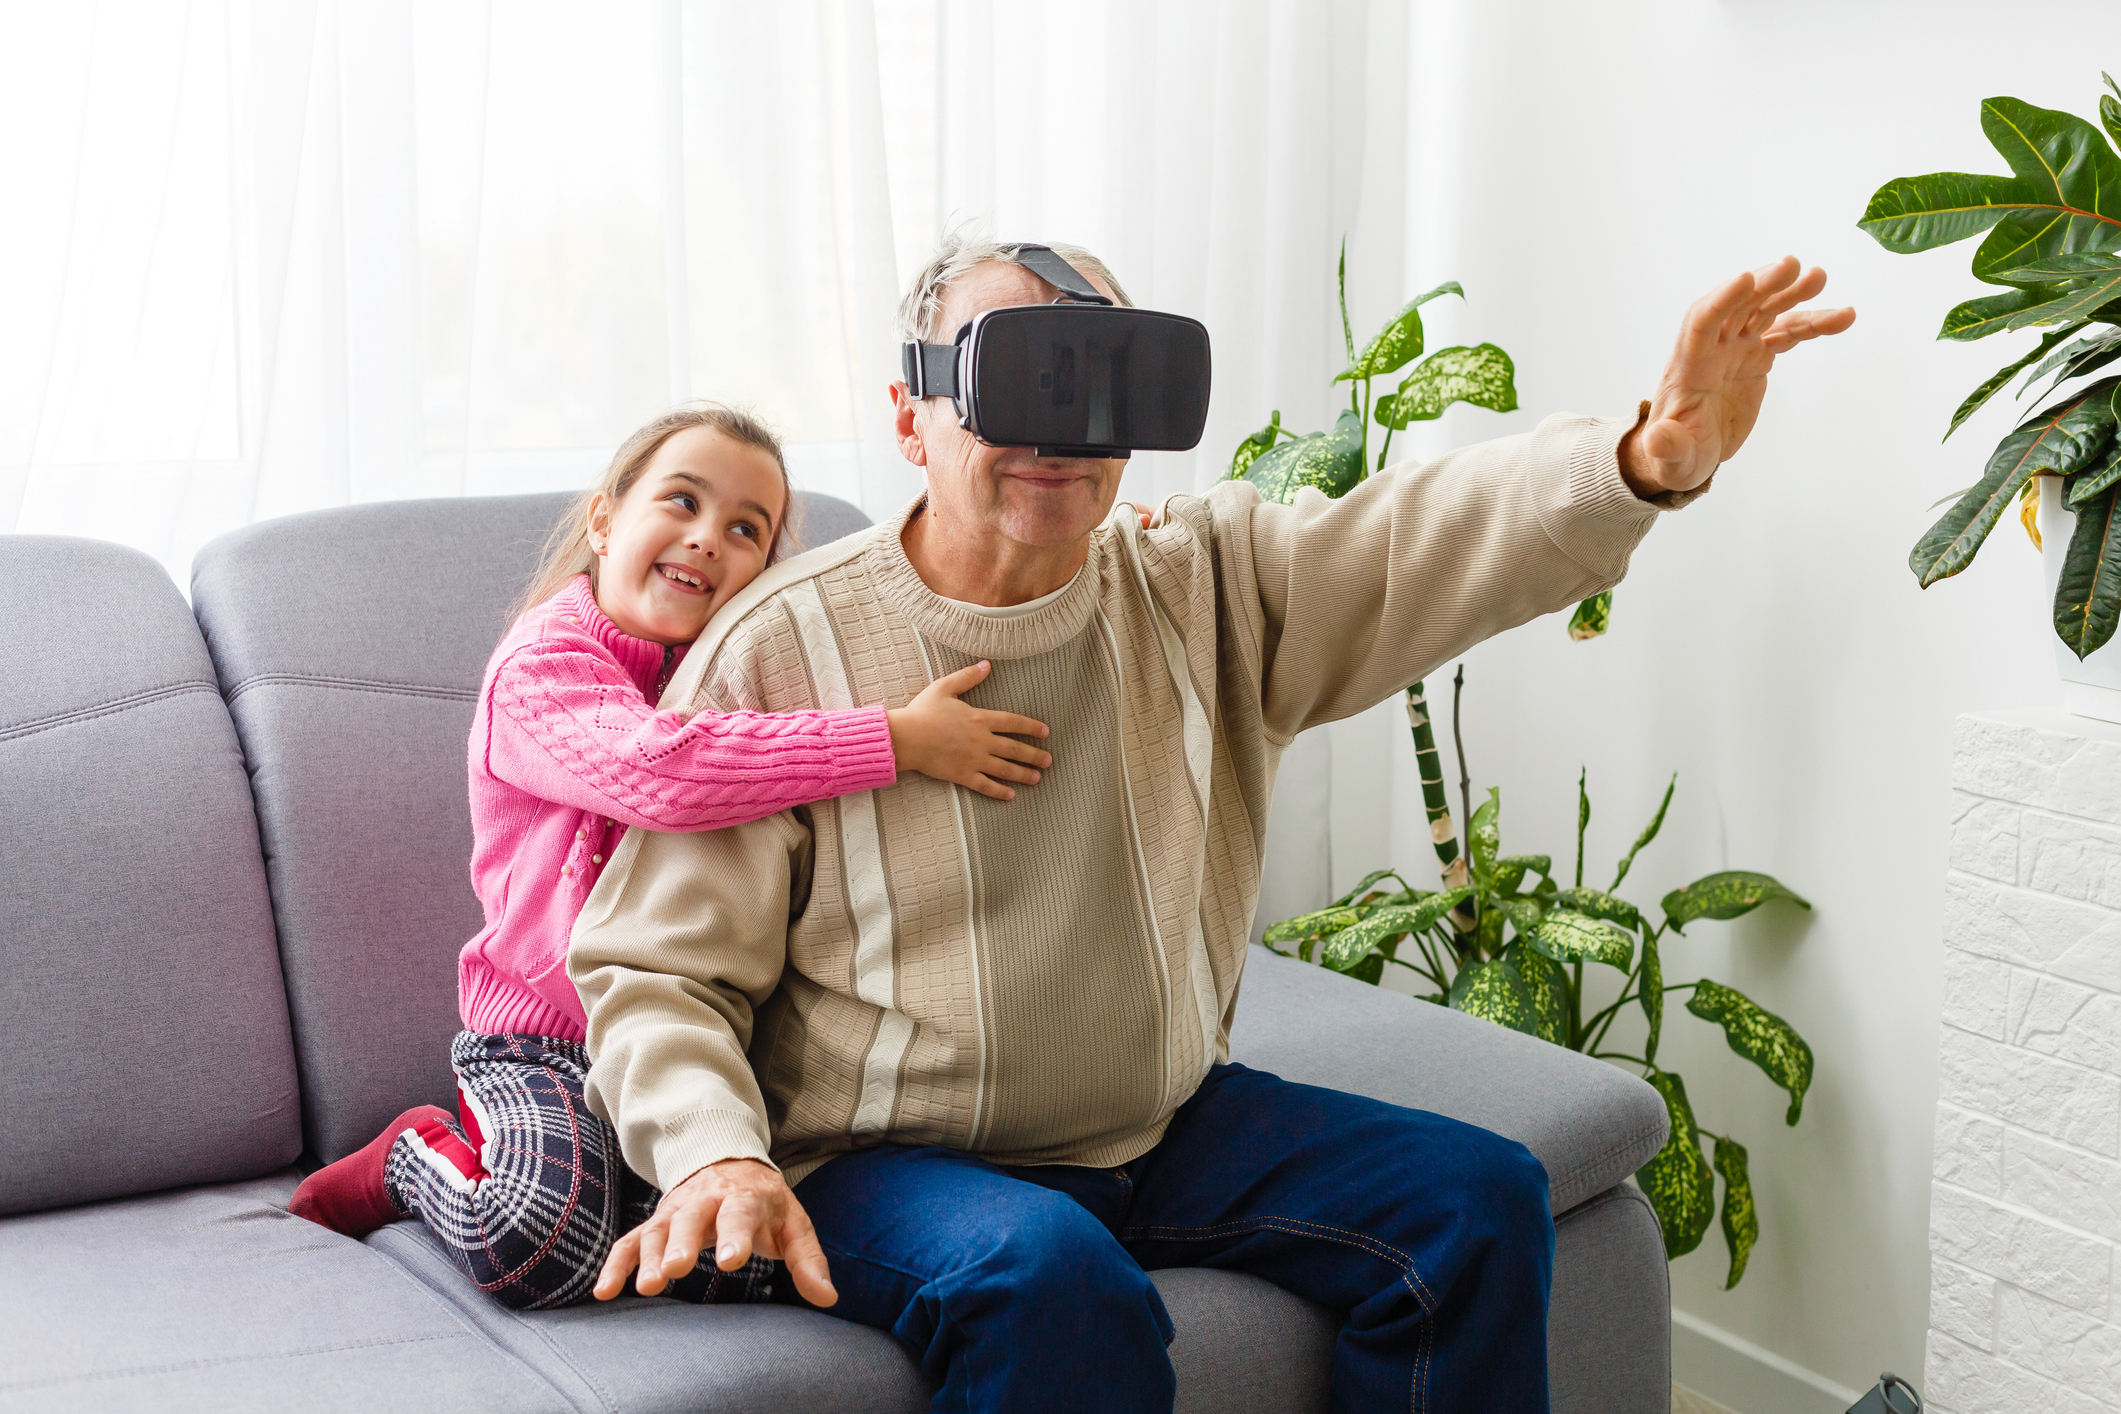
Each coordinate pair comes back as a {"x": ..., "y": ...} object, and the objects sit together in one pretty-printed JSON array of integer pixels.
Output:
[{"x": 105, "y": 708}]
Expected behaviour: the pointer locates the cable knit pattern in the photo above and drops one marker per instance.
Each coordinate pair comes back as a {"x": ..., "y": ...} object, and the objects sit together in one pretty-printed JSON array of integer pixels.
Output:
[{"x": 567, "y": 751}]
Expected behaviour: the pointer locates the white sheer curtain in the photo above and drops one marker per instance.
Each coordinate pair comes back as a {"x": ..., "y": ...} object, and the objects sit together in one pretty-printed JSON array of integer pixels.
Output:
[{"x": 264, "y": 256}]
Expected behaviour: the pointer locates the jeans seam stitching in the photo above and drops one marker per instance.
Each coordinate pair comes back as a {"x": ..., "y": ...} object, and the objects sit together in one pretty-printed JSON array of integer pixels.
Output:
[{"x": 1298, "y": 1227}]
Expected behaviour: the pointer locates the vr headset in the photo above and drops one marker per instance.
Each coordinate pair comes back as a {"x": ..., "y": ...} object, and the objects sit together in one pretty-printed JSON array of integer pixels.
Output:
[{"x": 1080, "y": 377}]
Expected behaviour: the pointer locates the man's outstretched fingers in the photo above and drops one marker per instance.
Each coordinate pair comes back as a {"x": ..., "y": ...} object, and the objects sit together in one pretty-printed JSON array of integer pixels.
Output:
[
  {"x": 735, "y": 1227},
  {"x": 805, "y": 1257},
  {"x": 689, "y": 1226},
  {"x": 619, "y": 1265},
  {"x": 650, "y": 1279}
]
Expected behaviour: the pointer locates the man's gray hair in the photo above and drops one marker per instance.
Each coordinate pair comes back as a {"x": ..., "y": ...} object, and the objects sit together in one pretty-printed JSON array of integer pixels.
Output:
[{"x": 955, "y": 258}]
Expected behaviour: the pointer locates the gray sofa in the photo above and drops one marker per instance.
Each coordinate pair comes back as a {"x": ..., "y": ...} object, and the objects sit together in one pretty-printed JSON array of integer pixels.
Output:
[{"x": 232, "y": 887}]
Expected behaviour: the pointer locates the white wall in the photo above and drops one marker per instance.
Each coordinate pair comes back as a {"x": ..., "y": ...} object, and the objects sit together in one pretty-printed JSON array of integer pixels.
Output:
[{"x": 1587, "y": 172}]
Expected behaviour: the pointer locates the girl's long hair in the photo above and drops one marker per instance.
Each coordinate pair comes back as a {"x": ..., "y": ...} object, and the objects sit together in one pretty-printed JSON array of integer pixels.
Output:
[{"x": 567, "y": 551}]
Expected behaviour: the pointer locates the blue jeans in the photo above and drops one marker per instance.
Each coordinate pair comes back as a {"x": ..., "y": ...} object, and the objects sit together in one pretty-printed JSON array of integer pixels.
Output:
[{"x": 1026, "y": 1289}]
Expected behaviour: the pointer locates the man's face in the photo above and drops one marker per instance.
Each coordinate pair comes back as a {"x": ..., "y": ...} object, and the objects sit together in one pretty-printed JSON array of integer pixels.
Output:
[{"x": 1005, "y": 492}]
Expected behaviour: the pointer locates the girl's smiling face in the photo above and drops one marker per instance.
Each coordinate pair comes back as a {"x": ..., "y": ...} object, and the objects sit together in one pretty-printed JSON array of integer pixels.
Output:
[{"x": 694, "y": 528}]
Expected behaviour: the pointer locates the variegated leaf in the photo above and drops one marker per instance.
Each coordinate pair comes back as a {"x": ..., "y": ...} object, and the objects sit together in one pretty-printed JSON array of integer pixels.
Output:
[
  {"x": 1677, "y": 1180},
  {"x": 1312, "y": 925},
  {"x": 2097, "y": 477},
  {"x": 1348, "y": 946},
  {"x": 1592, "y": 617},
  {"x": 1649, "y": 831},
  {"x": 1493, "y": 991},
  {"x": 1510, "y": 871},
  {"x": 1741, "y": 1222},
  {"x": 1650, "y": 984},
  {"x": 1568, "y": 936},
  {"x": 1484, "y": 838},
  {"x": 1328, "y": 461},
  {"x": 1399, "y": 341},
  {"x": 1728, "y": 895},
  {"x": 1524, "y": 915},
  {"x": 2088, "y": 591},
  {"x": 1249, "y": 450},
  {"x": 1483, "y": 376},
  {"x": 2001, "y": 376},
  {"x": 1548, "y": 987},
  {"x": 1760, "y": 1036},
  {"x": 1598, "y": 904},
  {"x": 1375, "y": 876}
]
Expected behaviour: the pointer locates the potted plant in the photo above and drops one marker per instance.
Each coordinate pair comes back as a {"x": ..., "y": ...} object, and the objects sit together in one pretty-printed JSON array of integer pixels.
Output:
[
  {"x": 2054, "y": 247},
  {"x": 1503, "y": 940}
]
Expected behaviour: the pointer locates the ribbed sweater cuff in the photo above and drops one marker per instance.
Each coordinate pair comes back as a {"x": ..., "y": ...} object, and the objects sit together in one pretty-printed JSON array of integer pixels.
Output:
[
  {"x": 1599, "y": 521},
  {"x": 493, "y": 1006},
  {"x": 861, "y": 750},
  {"x": 692, "y": 1141}
]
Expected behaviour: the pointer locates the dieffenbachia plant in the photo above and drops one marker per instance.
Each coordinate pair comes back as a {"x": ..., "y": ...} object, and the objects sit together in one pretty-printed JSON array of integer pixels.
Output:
[
  {"x": 1338, "y": 460},
  {"x": 1503, "y": 940},
  {"x": 2054, "y": 244}
]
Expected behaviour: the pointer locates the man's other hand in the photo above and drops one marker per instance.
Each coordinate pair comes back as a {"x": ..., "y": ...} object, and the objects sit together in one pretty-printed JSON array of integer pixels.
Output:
[
  {"x": 1710, "y": 395},
  {"x": 747, "y": 1207}
]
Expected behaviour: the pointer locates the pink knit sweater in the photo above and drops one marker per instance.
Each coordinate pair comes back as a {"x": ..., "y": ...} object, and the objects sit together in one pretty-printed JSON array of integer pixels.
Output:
[{"x": 567, "y": 750}]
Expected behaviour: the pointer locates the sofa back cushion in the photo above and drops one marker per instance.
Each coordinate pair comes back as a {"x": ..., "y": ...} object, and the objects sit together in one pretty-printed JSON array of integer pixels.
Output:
[
  {"x": 146, "y": 1028},
  {"x": 350, "y": 645}
]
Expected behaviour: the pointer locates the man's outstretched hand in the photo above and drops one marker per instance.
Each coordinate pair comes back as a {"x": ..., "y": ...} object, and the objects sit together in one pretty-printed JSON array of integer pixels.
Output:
[
  {"x": 1710, "y": 394},
  {"x": 746, "y": 1207}
]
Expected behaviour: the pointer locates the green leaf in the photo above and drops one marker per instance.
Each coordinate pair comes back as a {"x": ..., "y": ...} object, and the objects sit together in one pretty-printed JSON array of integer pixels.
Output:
[
  {"x": 1650, "y": 983},
  {"x": 1348, "y": 946},
  {"x": 1482, "y": 375},
  {"x": 1741, "y": 1222},
  {"x": 1374, "y": 876},
  {"x": 2086, "y": 281},
  {"x": 1996, "y": 380},
  {"x": 2097, "y": 477},
  {"x": 1484, "y": 838},
  {"x": 1312, "y": 925},
  {"x": 1568, "y": 936},
  {"x": 1596, "y": 903},
  {"x": 1524, "y": 915},
  {"x": 1760, "y": 1036},
  {"x": 1253, "y": 447},
  {"x": 2084, "y": 356},
  {"x": 1583, "y": 816},
  {"x": 1371, "y": 969},
  {"x": 1510, "y": 872},
  {"x": 2062, "y": 439},
  {"x": 2088, "y": 593},
  {"x": 1910, "y": 214},
  {"x": 2110, "y": 108},
  {"x": 1548, "y": 987},
  {"x": 1592, "y": 617},
  {"x": 1996, "y": 314},
  {"x": 1731, "y": 894},
  {"x": 1493, "y": 991},
  {"x": 2071, "y": 180},
  {"x": 1399, "y": 341},
  {"x": 1489, "y": 932},
  {"x": 1677, "y": 1180},
  {"x": 1649, "y": 831},
  {"x": 1329, "y": 461}
]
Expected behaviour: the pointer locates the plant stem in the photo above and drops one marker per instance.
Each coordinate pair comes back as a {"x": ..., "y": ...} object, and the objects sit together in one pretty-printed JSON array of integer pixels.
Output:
[
  {"x": 1386, "y": 450},
  {"x": 1576, "y": 1026},
  {"x": 1583, "y": 817},
  {"x": 1363, "y": 457},
  {"x": 1616, "y": 1055},
  {"x": 1435, "y": 801},
  {"x": 1465, "y": 918}
]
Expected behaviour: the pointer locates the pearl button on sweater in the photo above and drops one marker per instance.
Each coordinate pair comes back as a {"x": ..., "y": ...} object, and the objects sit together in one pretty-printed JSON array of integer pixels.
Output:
[{"x": 567, "y": 751}]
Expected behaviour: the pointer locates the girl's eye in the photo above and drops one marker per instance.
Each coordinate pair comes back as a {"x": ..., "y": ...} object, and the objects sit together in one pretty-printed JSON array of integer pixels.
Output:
[
  {"x": 745, "y": 527},
  {"x": 691, "y": 506}
]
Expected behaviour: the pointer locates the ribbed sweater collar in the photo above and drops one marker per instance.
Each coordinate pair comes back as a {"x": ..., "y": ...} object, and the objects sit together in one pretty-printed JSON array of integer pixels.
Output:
[
  {"x": 642, "y": 658},
  {"x": 948, "y": 622}
]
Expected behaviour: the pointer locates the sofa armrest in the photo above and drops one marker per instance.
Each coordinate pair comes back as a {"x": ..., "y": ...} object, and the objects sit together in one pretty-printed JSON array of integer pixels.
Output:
[{"x": 1591, "y": 1124}]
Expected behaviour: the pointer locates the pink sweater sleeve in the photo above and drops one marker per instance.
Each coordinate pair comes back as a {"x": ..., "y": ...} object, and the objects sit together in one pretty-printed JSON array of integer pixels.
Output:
[{"x": 567, "y": 725}]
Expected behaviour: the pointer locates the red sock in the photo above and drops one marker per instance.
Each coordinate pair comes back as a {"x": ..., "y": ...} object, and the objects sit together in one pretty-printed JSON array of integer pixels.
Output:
[{"x": 348, "y": 1196}]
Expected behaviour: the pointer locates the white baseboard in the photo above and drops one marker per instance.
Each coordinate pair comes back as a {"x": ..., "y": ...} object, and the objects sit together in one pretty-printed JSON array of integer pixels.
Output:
[{"x": 1746, "y": 1377}]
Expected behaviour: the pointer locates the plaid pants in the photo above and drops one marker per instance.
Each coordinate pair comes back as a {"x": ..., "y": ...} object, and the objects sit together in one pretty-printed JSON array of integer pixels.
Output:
[{"x": 530, "y": 1195}]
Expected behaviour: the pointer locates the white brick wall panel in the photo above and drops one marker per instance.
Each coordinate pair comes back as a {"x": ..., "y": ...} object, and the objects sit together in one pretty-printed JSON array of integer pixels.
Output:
[
  {"x": 2072, "y": 858},
  {"x": 2058, "y": 1018},
  {"x": 2076, "y": 1350},
  {"x": 1969, "y": 1381},
  {"x": 2031, "y": 1091},
  {"x": 1985, "y": 838},
  {"x": 2067, "y": 1186},
  {"x": 2024, "y": 1251},
  {"x": 1977, "y": 993},
  {"x": 1963, "y": 1303},
  {"x": 1968, "y": 1152},
  {"x": 2066, "y": 774},
  {"x": 2039, "y": 931}
]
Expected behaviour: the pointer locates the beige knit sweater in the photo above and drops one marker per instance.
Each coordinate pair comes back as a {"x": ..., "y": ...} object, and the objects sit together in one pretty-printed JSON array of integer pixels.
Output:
[{"x": 1043, "y": 980}]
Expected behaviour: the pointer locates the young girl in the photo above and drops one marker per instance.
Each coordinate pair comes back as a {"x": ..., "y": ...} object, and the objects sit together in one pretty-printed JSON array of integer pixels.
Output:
[{"x": 567, "y": 751}]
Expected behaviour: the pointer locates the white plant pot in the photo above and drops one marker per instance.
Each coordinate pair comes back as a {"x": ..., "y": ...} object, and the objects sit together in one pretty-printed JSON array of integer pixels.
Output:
[{"x": 2090, "y": 687}]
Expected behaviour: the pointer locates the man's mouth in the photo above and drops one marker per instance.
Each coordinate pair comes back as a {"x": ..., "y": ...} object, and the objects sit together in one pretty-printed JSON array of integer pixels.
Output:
[{"x": 691, "y": 581}]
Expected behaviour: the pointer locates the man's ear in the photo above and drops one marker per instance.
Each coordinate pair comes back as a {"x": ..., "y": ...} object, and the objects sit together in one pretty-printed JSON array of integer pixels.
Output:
[{"x": 904, "y": 406}]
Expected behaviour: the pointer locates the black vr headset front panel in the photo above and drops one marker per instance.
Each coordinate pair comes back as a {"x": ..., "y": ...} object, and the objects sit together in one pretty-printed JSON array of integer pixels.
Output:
[{"x": 1091, "y": 379}]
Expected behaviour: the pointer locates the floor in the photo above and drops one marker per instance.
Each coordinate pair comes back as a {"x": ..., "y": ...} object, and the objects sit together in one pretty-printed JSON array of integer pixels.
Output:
[{"x": 1685, "y": 1401}]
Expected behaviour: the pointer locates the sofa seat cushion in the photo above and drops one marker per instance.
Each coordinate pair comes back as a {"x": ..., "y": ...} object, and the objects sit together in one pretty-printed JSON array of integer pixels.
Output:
[
  {"x": 219, "y": 1299},
  {"x": 1591, "y": 1124}
]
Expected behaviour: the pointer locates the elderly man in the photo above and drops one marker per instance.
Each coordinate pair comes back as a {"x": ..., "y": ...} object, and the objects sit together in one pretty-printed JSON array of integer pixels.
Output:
[{"x": 962, "y": 1063}]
